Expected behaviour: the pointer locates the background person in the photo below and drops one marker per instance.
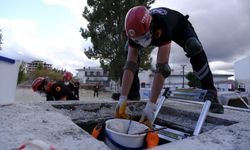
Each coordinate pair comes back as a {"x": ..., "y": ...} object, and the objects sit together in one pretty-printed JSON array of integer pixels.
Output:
[
  {"x": 68, "y": 81},
  {"x": 52, "y": 91},
  {"x": 96, "y": 89}
]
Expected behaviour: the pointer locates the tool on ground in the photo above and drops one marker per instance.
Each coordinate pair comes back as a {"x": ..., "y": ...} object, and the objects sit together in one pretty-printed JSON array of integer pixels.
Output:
[
  {"x": 132, "y": 109},
  {"x": 170, "y": 134},
  {"x": 97, "y": 130},
  {"x": 148, "y": 130}
]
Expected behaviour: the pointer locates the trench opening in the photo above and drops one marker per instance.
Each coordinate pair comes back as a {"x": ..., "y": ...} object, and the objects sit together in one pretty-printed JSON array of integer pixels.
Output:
[
  {"x": 180, "y": 123},
  {"x": 173, "y": 132}
]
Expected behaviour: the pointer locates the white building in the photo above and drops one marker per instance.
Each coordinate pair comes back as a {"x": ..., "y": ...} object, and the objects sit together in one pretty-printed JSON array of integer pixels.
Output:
[
  {"x": 176, "y": 80},
  {"x": 92, "y": 75},
  {"x": 31, "y": 67},
  {"x": 242, "y": 73}
]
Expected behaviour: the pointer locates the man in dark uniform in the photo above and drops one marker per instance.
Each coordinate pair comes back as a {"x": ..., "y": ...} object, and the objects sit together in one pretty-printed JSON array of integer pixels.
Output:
[
  {"x": 68, "y": 81},
  {"x": 53, "y": 91},
  {"x": 96, "y": 89},
  {"x": 159, "y": 27}
]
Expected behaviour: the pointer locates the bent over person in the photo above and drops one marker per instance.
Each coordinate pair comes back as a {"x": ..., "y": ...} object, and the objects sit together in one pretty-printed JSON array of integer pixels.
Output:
[
  {"x": 53, "y": 91},
  {"x": 73, "y": 86},
  {"x": 159, "y": 27}
]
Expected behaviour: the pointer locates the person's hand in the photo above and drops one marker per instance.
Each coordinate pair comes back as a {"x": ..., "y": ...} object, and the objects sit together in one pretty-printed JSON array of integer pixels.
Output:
[
  {"x": 120, "y": 110},
  {"x": 148, "y": 114}
]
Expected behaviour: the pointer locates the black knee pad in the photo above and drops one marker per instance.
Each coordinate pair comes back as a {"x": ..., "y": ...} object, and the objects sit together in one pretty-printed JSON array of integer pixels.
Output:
[
  {"x": 163, "y": 69},
  {"x": 193, "y": 47},
  {"x": 132, "y": 66}
]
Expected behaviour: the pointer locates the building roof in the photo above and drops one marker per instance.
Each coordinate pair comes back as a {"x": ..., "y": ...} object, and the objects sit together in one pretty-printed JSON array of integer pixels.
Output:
[{"x": 89, "y": 68}]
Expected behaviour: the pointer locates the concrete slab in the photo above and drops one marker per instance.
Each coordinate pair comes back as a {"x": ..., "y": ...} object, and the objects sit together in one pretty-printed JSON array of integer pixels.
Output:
[
  {"x": 21, "y": 122},
  {"x": 232, "y": 137},
  {"x": 39, "y": 121}
]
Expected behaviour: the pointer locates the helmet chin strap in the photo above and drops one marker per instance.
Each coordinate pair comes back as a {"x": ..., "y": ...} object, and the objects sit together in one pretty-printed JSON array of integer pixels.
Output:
[
  {"x": 145, "y": 43},
  {"x": 144, "y": 40}
]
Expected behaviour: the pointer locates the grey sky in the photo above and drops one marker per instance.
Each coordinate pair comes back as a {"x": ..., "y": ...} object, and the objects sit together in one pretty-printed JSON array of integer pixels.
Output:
[{"x": 222, "y": 27}]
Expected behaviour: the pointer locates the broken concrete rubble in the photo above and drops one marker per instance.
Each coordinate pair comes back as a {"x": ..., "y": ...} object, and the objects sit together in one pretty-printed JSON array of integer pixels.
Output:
[
  {"x": 56, "y": 125},
  {"x": 23, "y": 122}
]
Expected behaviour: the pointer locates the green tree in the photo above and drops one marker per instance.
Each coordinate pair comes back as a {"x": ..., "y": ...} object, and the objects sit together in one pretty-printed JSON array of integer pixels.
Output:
[
  {"x": 21, "y": 73},
  {"x": 106, "y": 30},
  {"x": 40, "y": 67},
  {"x": 52, "y": 75},
  {"x": 193, "y": 80}
]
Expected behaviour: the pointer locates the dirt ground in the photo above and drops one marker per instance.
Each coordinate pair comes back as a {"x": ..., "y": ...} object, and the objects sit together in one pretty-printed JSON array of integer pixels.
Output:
[{"x": 27, "y": 95}]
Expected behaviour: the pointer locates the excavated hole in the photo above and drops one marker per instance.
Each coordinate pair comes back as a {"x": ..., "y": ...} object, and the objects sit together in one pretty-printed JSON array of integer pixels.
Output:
[
  {"x": 87, "y": 116},
  {"x": 89, "y": 126}
]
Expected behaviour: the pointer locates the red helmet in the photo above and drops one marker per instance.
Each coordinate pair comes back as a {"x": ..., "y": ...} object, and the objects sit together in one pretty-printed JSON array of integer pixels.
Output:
[
  {"x": 67, "y": 76},
  {"x": 137, "y": 21},
  {"x": 36, "y": 84}
]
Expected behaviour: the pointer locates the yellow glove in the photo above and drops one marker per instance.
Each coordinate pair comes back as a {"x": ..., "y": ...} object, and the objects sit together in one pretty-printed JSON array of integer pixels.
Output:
[
  {"x": 120, "y": 110},
  {"x": 148, "y": 114}
]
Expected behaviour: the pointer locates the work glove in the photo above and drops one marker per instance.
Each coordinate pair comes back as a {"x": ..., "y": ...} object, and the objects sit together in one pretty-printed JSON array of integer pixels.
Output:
[
  {"x": 120, "y": 110},
  {"x": 148, "y": 114},
  {"x": 152, "y": 139}
]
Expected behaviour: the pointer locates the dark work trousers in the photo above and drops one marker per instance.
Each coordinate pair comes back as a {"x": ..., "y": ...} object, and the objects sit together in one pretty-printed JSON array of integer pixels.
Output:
[{"x": 199, "y": 62}]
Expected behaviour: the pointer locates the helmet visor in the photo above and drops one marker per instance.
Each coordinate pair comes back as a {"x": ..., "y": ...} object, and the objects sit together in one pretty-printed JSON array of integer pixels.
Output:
[{"x": 143, "y": 40}]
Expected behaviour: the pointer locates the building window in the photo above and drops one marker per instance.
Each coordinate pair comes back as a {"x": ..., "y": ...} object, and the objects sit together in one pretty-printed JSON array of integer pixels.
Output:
[{"x": 98, "y": 73}]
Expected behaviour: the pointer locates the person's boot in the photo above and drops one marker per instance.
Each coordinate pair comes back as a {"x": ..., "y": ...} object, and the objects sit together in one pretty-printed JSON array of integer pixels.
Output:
[
  {"x": 216, "y": 107},
  {"x": 115, "y": 96}
]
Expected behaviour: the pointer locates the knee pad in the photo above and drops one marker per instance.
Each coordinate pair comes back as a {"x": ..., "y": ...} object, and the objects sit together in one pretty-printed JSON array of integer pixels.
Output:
[
  {"x": 163, "y": 69},
  {"x": 193, "y": 47},
  {"x": 132, "y": 66}
]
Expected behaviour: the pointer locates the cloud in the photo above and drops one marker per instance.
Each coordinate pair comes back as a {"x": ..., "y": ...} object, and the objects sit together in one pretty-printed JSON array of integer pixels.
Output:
[
  {"x": 17, "y": 36},
  {"x": 222, "y": 67},
  {"x": 21, "y": 41},
  {"x": 222, "y": 27},
  {"x": 75, "y": 7}
]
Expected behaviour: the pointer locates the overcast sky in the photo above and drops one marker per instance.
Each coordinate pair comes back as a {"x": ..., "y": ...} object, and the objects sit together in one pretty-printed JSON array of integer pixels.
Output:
[{"x": 48, "y": 30}]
